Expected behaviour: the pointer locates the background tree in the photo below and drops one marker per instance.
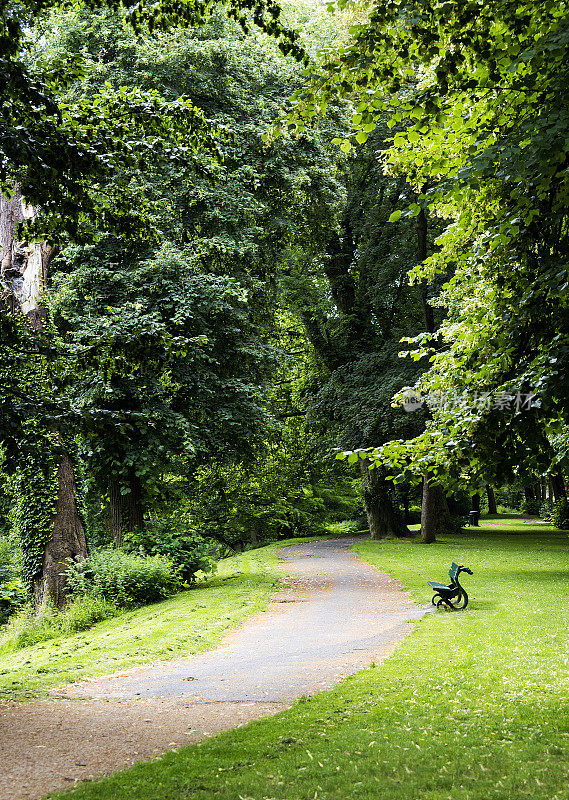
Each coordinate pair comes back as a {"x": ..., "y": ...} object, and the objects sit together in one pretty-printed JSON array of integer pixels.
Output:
[
  {"x": 484, "y": 145},
  {"x": 356, "y": 305}
]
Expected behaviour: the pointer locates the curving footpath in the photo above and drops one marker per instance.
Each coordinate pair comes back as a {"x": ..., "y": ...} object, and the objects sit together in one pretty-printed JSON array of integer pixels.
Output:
[{"x": 334, "y": 615}]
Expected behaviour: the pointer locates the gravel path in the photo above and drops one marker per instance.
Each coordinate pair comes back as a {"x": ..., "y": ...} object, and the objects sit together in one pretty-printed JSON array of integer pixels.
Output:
[{"x": 334, "y": 616}]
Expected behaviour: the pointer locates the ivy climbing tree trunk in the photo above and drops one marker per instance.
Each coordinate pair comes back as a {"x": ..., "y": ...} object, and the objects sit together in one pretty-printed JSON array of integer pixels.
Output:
[
  {"x": 67, "y": 540},
  {"x": 383, "y": 515},
  {"x": 53, "y": 538}
]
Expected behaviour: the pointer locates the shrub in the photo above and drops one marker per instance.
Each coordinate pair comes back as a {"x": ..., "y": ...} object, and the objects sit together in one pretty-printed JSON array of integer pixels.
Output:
[
  {"x": 342, "y": 528},
  {"x": 27, "y": 627},
  {"x": 12, "y": 595},
  {"x": 511, "y": 498},
  {"x": 414, "y": 516},
  {"x": 560, "y": 514},
  {"x": 12, "y": 591},
  {"x": 546, "y": 509},
  {"x": 186, "y": 549},
  {"x": 124, "y": 579},
  {"x": 530, "y": 507},
  {"x": 456, "y": 524},
  {"x": 459, "y": 503}
]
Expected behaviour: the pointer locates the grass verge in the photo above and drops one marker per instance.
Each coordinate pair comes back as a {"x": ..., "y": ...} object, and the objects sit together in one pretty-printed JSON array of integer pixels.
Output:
[
  {"x": 186, "y": 623},
  {"x": 473, "y": 705}
]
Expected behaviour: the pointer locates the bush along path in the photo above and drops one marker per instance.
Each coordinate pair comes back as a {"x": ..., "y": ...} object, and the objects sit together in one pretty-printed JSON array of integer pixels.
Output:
[{"x": 334, "y": 615}]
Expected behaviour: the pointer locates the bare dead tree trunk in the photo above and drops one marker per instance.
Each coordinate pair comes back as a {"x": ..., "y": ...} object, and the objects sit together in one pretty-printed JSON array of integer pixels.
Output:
[
  {"x": 435, "y": 514},
  {"x": 491, "y": 500},
  {"x": 383, "y": 515},
  {"x": 23, "y": 268}
]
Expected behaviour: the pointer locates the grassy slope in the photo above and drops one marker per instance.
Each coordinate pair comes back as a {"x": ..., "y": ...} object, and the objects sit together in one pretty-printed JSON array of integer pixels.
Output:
[
  {"x": 187, "y": 623},
  {"x": 473, "y": 705}
]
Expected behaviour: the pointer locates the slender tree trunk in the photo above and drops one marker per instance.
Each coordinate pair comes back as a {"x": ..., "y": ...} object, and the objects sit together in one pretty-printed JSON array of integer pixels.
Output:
[
  {"x": 491, "y": 500},
  {"x": 24, "y": 267},
  {"x": 383, "y": 515},
  {"x": 135, "y": 509},
  {"x": 435, "y": 515},
  {"x": 115, "y": 508},
  {"x": 528, "y": 493}
]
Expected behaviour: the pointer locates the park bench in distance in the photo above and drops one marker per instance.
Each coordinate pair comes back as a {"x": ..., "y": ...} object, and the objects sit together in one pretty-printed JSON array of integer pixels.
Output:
[{"x": 452, "y": 596}]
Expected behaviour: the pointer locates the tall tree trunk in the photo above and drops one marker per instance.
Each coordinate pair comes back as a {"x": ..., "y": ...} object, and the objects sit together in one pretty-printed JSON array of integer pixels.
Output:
[
  {"x": 476, "y": 502},
  {"x": 256, "y": 531},
  {"x": 528, "y": 493},
  {"x": 67, "y": 541},
  {"x": 135, "y": 509},
  {"x": 24, "y": 268},
  {"x": 435, "y": 515},
  {"x": 491, "y": 500},
  {"x": 115, "y": 508},
  {"x": 558, "y": 486},
  {"x": 383, "y": 515}
]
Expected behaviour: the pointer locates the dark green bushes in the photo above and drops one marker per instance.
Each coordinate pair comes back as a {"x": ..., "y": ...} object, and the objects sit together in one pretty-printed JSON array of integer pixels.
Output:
[
  {"x": 531, "y": 507},
  {"x": 125, "y": 579},
  {"x": 12, "y": 596},
  {"x": 560, "y": 514},
  {"x": 12, "y": 591},
  {"x": 188, "y": 552}
]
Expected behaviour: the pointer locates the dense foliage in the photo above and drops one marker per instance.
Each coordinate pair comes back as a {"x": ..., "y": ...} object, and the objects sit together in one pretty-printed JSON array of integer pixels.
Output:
[
  {"x": 476, "y": 97},
  {"x": 223, "y": 307}
]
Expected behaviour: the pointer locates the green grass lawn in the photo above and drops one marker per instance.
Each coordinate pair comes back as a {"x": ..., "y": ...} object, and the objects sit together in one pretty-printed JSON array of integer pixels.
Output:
[
  {"x": 473, "y": 705},
  {"x": 187, "y": 623}
]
